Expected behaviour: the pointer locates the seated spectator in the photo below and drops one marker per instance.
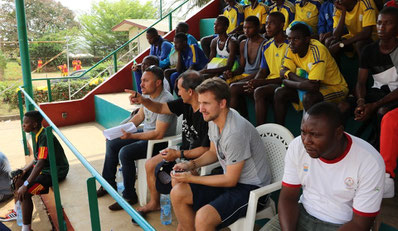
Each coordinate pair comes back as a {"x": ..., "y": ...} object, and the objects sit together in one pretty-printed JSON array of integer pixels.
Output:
[
  {"x": 190, "y": 57},
  {"x": 147, "y": 62},
  {"x": 389, "y": 150},
  {"x": 286, "y": 8},
  {"x": 258, "y": 9},
  {"x": 159, "y": 47},
  {"x": 35, "y": 178},
  {"x": 308, "y": 11},
  {"x": 207, "y": 202},
  {"x": 324, "y": 80},
  {"x": 267, "y": 79},
  {"x": 223, "y": 52},
  {"x": 325, "y": 20},
  {"x": 359, "y": 17},
  {"x": 5, "y": 182},
  {"x": 250, "y": 50},
  {"x": 133, "y": 146},
  {"x": 341, "y": 177},
  {"x": 195, "y": 140},
  {"x": 380, "y": 60}
]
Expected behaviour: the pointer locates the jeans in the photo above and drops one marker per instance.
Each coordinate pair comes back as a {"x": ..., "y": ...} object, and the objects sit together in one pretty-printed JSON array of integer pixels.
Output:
[{"x": 128, "y": 151}]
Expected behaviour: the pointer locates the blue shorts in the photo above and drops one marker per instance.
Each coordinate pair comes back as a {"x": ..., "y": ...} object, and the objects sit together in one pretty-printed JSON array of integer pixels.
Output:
[{"x": 230, "y": 203}]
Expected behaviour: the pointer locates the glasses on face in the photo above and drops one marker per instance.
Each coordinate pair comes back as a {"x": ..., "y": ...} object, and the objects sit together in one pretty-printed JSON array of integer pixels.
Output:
[{"x": 219, "y": 152}]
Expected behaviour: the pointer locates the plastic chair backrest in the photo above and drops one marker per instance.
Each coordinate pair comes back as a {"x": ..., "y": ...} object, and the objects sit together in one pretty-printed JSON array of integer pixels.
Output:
[{"x": 276, "y": 140}]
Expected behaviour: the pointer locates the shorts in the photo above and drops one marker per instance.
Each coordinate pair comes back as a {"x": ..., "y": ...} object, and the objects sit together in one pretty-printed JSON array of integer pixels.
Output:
[
  {"x": 230, "y": 203},
  {"x": 40, "y": 185},
  {"x": 236, "y": 78},
  {"x": 333, "y": 94}
]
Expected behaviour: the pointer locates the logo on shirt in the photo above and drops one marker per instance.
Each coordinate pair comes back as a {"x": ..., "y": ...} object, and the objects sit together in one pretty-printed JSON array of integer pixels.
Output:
[
  {"x": 309, "y": 66},
  {"x": 349, "y": 182},
  {"x": 308, "y": 14},
  {"x": 305, "y": 167},
  {"x": 360, "y": 17}
]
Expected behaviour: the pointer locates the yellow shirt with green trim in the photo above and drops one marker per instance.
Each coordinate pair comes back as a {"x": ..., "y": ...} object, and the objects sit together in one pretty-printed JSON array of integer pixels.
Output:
[
  {"x": 318, "y": 63},
  {"x": 308, "y": 13},
  {"x": 272, "y": 57},
  {"x": 261, "y": 12},
  {"x": 362, "y": 15},
  {"x": 235, "y": 16},
  {"x": 287, "y": 9}
]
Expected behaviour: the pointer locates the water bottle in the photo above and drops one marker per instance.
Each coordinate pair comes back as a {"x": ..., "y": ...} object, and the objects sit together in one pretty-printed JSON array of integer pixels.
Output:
[
  {"x": 119, "y": 181},
  {"x": 19, "y": 213},
  {"x": 165, "y": 209}
]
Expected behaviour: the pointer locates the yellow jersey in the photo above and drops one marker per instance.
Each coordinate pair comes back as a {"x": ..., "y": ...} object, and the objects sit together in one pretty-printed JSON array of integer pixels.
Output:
[
  {"x": 318, "y": 63},
  {"x": 364, "y": 14},
  {"x": 261, "y": 12},
  {"x": 272, "y": 57},
  {"x": 287, "y": 9},
  {"x": 308, "y": 13},
  {"x": 235, "y": 16}
]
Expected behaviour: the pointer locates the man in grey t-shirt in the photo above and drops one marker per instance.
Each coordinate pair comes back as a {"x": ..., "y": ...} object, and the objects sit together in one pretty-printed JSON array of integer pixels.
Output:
[
  {"x": 5, "y": 182},
  {"x": 133, "y": 146},
  {"x": 220, "y": 200}
]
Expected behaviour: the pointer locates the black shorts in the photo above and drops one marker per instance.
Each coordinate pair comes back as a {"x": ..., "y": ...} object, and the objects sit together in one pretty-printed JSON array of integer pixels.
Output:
[
  {"x": 230, "y": 203},
  {"x": 40, "y": 185}
]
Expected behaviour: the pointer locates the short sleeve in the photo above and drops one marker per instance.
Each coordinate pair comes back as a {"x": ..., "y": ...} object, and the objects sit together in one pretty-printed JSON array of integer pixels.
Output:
[
  {"x": 366, "y": 52},
  {"x": 264, "y": 64},
  {"x": 369, "y": 194},
  {"x": 237, "y": 148},
  {"x": 336, "y": 18},
  {"x": 240, "y": 16},
  {"x": 369, "y": 13},
  {"x": 264, "y": 15},
  {"x": 176, "y": 106},
  {"x": 318, "y": 67},
  {"x": 288, "y": 61},
  {"x": 290, "y": 174},
  {"x": 42, "y": 149}
]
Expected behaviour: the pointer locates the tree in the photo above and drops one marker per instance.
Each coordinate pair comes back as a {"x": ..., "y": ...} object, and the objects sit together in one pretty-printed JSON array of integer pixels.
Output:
[{"x": 97, "y": 25}]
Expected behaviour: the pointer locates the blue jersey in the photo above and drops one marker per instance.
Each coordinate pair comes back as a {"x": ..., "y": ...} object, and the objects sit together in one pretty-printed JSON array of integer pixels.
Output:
[
  {"x": 325, "y": 20},
  {"x": 194, "y": 56},
  {"x": 161, "y": 50}
]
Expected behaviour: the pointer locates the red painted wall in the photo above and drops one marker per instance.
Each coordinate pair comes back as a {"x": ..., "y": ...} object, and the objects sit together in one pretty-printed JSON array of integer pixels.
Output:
[{"x": 82, "y": 110}]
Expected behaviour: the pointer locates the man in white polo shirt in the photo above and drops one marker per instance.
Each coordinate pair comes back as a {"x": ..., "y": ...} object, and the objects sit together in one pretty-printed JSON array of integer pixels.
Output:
[{"x": 342, "y": 177}]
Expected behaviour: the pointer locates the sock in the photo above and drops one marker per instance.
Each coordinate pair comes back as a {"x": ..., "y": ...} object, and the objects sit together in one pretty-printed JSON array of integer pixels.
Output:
[{"x": 25, "y": 227}]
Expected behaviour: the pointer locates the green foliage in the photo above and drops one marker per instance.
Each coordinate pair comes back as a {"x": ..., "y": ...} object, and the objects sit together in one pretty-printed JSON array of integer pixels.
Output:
[
  {"x": 98, "y": 24},
  {"x": 3, "y": 62}
]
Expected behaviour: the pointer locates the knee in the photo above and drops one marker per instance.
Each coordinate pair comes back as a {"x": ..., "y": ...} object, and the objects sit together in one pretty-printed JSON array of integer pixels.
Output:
[
  {"x": 259, "y": 94},
  {"x": 123, "y": 155},
  {"x": 151, "y": 164},
  {"x": 201, "y": 219},
  {"x": 311, "y": 98},
  {"x": 280, "y": 94},
  {"x": 178, "y": 193},
  {"x": 235, "y": 89}
]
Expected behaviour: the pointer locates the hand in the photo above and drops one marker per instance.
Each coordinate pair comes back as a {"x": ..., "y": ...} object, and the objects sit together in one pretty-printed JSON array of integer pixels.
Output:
[
  {"x": 363, "y": 112},
  {"x": 182, "y": 177},
  {"x": 227, "y": 74},
  {"x": 334, "y": 48},
  {"x": 125, "y": 135},
  {"x": 135, "y": 67},
  {"x": 21, "y": 192},
  {"x": 183, "y": 166},
  {"x": 338, "y": 6},
  {"x": 135, "y": 97},
  {"x": 170, "y": 154},
  {"x": 248, "y": 88}
]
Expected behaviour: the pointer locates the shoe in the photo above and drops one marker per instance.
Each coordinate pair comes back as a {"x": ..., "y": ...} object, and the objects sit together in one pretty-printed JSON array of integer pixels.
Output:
[
  {"x": 10, "y": 216},
  {"x": 101, "y": 192},
  {"x": 142, "y": 214},
  {"x": 388, "y": 187},
  {"x": 116, "y": 207}
]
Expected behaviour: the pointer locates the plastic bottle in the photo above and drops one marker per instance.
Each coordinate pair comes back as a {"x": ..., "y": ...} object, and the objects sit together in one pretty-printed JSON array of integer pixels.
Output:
[
  {"x": 165, "y": 209},
  {"x": 19, "y": 213},
  {"x": 119, "y": 181}
]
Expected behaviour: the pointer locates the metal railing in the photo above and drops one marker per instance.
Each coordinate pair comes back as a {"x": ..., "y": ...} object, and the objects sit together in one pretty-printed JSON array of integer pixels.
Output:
[
  {"x": 91, "y": 186},
  {"x": 114, "y": 53}
]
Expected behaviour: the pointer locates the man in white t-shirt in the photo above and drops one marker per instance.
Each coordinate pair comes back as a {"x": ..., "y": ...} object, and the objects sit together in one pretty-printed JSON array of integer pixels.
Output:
[{"x": 341, "y": 177}]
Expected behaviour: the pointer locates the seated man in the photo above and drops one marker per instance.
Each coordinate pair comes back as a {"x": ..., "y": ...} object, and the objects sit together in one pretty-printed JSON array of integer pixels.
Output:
[
  {"x": 159, "y": 47},
  {"x": 250, "y": 50},
  {"x": 325, "y": 20},
  {"x": 308, "y": 11},
  {"x": 133, "y": 146},
  {"x": 258, "y": 9},
  {"x": 359, "y": 17},
  {"x": 5, "y": 182},
  {"x": 286, "y": 8},
  {"x": 379, "y": 59},
  {"x": 190, "y": 57},
  {"x": 324, "y": 80},
  {"x": 389, "y": 150},
  {"x": 341, "y": 177},
  {"x": 147, "y": 62},
  {"x": 207, "y": 202},
  {"x": 223, "y": 50},
  {"x": 35, "y": 178},
  {"x": 195, "y": 140}
]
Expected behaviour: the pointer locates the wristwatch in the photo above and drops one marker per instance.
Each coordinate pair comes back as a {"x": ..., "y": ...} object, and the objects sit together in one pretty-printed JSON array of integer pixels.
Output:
[
  {"x": 26, "y": 183},
  {"x": 182, "y": 154},
  {"x": 341, "y": 45}
]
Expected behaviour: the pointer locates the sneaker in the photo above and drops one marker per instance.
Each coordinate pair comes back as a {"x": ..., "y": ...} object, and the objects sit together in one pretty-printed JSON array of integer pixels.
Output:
[
  {"x": 10, "y": 216},
  {"x": 388, "y": 187},
  {"x": 116, "y": 207},
  {"x": 101, "y": 192}
]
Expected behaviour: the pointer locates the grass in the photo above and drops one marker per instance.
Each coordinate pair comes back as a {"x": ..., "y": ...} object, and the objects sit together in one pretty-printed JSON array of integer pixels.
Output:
[
  {"x": 13, "y": 71},
  {"x": 6, "y": 111}
]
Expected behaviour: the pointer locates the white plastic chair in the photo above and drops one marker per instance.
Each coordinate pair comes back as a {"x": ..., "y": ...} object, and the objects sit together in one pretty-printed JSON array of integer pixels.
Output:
[
  {"x": 141, "y": 173},
  {"x": 276, "y": 139}
]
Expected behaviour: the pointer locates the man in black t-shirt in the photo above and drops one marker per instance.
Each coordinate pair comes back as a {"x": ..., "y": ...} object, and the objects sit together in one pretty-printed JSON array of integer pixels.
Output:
[
  {"x": 380, "y": 59},
  {"x": 195, "y": 140}
]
